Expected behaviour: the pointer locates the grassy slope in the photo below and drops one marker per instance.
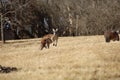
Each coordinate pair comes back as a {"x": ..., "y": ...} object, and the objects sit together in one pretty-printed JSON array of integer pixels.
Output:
[{"x": 78, "y": 58}]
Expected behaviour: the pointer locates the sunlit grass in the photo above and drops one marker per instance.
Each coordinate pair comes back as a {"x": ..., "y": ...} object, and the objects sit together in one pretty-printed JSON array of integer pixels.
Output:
[{"x": 75, "y": 58}]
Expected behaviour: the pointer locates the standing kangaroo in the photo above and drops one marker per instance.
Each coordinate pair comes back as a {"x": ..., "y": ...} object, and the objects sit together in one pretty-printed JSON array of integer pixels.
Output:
[
  {"x": 53, "y": 37},
  {"x": 111, "y": 35}
]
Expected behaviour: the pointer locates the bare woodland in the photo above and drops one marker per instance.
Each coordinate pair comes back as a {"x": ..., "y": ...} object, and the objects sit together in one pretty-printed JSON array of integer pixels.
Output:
[{"x": 35, "y": 18}]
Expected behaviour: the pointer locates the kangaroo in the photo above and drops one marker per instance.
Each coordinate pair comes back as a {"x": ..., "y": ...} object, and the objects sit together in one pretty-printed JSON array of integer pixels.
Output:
[
  {"x": 45, "y": 42},
  {"x": 111, "y": 35},
  {"x": 53, "y": 37}
]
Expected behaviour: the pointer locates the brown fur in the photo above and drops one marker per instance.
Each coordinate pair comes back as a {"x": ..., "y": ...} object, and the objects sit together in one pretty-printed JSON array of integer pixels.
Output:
[
  {"x": 53, "y": 37},
  {"x": 45, "y": 42},
  {"x": 111, "y": 35}
]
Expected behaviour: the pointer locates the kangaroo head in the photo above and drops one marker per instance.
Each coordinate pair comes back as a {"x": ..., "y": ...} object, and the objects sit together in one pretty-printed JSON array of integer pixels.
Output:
[{"x": 54, "y": 31}]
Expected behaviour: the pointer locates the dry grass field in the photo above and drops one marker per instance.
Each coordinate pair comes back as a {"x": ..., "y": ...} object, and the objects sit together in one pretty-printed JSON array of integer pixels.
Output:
[{"x": 75, "y": 58}]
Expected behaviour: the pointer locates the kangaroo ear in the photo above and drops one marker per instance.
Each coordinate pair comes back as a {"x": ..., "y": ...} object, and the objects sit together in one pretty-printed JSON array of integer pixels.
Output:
[
  {"x": 56, "y": 29},
  {"x": 53, "y": 30}
]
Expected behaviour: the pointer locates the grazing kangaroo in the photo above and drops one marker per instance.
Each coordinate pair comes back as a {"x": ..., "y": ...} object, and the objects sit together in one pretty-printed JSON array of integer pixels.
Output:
[
  {"x": 45, "y": 42},
  {"x": 111, "y": 35},
  {"x": 53, "y": 37}
]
